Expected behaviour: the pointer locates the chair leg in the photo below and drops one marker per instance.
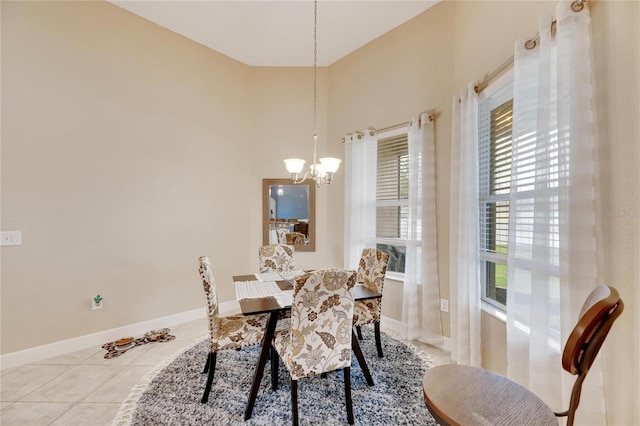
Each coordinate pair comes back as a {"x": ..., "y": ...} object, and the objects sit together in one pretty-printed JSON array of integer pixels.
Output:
[
  {"x": 359, "y": 332},
  {"x": 206, "y": 366},
  {"x": 275, "y": 361},
  {"x": 212, "y": 370},
  {"x": 347, "y": 394},
  {"x": 294, "y": 401},
  {"x": 376, "y": 327}
]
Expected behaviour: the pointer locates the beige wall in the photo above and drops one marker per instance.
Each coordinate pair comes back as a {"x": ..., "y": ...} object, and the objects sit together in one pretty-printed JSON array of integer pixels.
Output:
[
  {"x": 387, "y": 82},
  {"x": 423, "y": 63},
  {"x": 282, "y": 127},
  {"x": 126, "y": 154},
  {"x": 113, "y": 143},
  {"x": 617, "y": 59}
]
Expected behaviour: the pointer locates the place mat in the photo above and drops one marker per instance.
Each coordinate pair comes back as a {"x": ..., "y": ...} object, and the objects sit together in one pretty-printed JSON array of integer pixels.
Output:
[{"x": 256, "y": 289}]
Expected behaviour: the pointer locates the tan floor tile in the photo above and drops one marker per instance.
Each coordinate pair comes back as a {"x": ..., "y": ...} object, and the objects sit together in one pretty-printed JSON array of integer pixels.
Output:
[
  {"x": 88, "y": 414},
  {"x": 117, "y": 388},
  {"x": 21, "y": 381},
  {"x": 74, "y": 384},
  {"x": 124, "y": 359},
  {"x": 191, "y": 330},
  {"x": 161, "y": 352},
  {"x": 72, "y": 358},
  {"x": 32, "y": 413}
]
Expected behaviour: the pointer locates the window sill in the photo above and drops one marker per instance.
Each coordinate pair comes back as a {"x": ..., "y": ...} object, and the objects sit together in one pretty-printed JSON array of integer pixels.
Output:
[
  {"x": 395, "y": 276},
  {"x": 494, "y": 311}
]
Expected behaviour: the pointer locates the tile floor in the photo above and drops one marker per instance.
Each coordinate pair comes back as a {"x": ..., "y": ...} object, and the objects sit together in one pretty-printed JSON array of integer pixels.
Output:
[{"x": 83, "y": 388}]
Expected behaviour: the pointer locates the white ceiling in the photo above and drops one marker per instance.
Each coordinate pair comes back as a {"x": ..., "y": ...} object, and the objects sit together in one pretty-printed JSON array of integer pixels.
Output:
[{"x": 278, "y": 32}]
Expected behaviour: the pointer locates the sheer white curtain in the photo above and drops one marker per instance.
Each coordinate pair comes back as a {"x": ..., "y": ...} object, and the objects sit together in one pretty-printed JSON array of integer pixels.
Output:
[
  {"x": 552, "y": 262},
  {"x": 464, "y": 266},
  {"x": 421, "y": 296},
  {"x": 360, "y": 195}
]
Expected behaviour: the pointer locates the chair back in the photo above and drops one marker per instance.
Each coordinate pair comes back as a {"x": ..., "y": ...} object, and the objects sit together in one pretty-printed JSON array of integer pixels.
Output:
[
  {"x": 372, "y": 269},
  {"x": 276, "y": 258},
  {"x": 209, "y": 285},
  {"x": 602, "y": 307},
  {"x": 321, "y": 322},
  {"x": 294, "y": 238},
  {"x": 600, "y": 310}
]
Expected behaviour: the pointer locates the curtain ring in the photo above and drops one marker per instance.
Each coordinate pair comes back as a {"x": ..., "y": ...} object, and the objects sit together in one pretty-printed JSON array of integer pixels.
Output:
[
  {"x": 530, "y": 44},
  {"x": 577, "y": 5}
]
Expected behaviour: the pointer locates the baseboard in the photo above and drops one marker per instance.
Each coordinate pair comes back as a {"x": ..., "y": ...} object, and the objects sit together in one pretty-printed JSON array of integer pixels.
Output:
[
  {"x": 39, "y": 353},
  {"x": 63, "y": 347},
  {"x": 400, "y": 328}
]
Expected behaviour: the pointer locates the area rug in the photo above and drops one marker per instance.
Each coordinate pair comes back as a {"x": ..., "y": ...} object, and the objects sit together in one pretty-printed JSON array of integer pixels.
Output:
[{"x": 170, "y": 395}]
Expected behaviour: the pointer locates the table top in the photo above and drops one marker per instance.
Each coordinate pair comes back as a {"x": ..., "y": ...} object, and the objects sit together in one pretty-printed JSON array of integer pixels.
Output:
[
  {"x": 270, "y": 304},
  {"x": 465, "y": 395}
]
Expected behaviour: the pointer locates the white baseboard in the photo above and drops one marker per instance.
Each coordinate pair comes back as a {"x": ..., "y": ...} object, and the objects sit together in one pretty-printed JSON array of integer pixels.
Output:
[
  {"x": 400, "y": 328},
  {"x": 39, "y": 353}
]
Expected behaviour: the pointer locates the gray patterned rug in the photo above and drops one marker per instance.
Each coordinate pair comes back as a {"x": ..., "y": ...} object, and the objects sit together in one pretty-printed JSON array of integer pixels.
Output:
[{"x": 171, "y": 394}]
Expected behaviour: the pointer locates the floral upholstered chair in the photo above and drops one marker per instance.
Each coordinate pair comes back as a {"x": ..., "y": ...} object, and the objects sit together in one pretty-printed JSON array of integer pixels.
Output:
[
  {"x": 232, "y": 332},
  {"x": 319, "y": 337},
  {"x": 371, "y": 272},
  {"x": 276, "y": 258},
  {"x": 294, "y": 238}
]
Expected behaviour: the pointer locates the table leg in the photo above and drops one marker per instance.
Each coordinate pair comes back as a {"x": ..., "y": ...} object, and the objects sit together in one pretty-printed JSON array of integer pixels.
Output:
[
  {"x": 262, "y": 360},
  {"x": 363, "y": 364}
]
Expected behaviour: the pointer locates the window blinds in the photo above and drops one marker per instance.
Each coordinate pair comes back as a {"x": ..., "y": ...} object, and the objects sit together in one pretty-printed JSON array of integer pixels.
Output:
[{"x": 392, "y": 188}]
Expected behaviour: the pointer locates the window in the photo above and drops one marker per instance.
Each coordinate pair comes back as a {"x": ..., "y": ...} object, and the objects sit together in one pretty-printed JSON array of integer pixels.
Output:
[
  {"x": 392, "y": 195},
  {"x": 495, "y": 118}
]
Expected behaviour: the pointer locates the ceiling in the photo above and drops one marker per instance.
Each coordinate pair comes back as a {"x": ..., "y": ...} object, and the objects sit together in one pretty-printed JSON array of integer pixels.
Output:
[{"x": 278, "y": 32}]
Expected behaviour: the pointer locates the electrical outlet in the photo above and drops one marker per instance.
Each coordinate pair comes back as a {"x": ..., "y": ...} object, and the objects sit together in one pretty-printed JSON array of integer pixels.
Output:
[
  {"x": 96, "y": 305},
  {"x": 444, "y": 305}
]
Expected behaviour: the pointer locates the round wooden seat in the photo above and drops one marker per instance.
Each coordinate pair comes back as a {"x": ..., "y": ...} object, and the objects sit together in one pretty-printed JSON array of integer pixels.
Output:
[{"x": 464, "y": 395}]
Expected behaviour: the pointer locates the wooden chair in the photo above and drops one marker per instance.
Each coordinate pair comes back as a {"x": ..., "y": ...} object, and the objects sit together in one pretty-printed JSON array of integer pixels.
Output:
[
  {"x": 459, "y": 394},
  {"x": 276, "y": 258},
  {"x": 232, "y": 332},
  {"x": 371, "y": 273},
  {"x": 319, "y": 337}
]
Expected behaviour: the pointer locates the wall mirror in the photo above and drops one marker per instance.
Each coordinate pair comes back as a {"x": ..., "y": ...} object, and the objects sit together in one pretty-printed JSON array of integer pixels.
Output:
[{"x": 289, "y": 213}]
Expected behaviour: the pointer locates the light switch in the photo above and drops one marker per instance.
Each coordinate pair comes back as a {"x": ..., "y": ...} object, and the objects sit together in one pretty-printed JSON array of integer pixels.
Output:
[{"x": 11, "y": 238}]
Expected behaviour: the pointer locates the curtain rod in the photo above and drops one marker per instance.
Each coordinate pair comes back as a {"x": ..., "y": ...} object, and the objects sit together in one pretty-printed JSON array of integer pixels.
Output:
[
  {"x": 576, "y": 6},
  {"x": 432, "y": 116}
]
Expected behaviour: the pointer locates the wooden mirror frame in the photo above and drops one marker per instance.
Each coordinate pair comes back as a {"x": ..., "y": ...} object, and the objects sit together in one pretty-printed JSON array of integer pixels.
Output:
[{"x": 266, "y": 183}]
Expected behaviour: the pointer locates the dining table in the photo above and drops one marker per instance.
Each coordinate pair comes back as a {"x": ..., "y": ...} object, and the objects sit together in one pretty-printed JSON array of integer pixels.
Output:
[{"x": 270, "y": 293}]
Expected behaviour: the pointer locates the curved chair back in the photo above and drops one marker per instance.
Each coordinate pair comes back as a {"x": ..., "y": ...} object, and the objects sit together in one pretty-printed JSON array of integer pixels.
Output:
[
  {"x": 321, "y": 322},
  {"x": 600, "y": 310},
  {"x": 276, "y": 258},
  {"x": 209, "y": 285}
]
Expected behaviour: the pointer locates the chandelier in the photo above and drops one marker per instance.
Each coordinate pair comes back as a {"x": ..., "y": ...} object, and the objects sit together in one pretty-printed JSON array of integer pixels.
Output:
[{"x": 323, "y": 172}]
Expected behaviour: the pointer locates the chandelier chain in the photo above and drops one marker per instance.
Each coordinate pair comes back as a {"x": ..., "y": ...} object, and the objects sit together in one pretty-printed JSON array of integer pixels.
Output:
[
  {"x": 319, "y": 172},
  {"x": 315, "y": 63}
]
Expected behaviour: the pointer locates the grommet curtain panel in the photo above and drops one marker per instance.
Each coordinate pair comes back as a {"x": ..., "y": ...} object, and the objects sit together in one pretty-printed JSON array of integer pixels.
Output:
[
  {"x": 464, "y": 266},
  {"x": 553, "y": 228},
  {"x": 421, "y": 296},
  {"x": 421, "y": 293}
]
